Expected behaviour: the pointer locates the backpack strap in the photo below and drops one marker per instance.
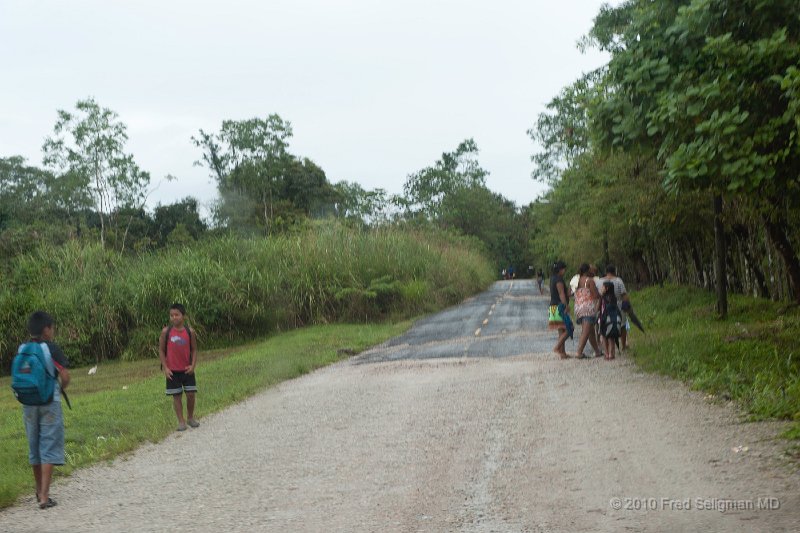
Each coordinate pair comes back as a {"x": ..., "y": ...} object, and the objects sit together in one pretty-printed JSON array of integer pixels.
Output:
[
  {"x": 191, "y": 341},
  {"x": 164, "y": 343},
  {"x": 56, "y": 366},
  {"x": 166, "y": 338}
]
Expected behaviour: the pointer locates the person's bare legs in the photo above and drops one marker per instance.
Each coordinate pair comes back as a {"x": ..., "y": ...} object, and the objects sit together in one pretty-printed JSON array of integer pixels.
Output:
[
  {"x": 610, "y": 348},
  {"x": 43, "y": 475},
  {"x": 593, "y": 340},
  {"x": 37, "y": 477},
  {"x": 190, "y": 405},
  {"x": 623, "y": 338},
  {"x": 177, "y": 403},
  {"x": 586, "y": 329},
  {"x": 562, "y": 340}
]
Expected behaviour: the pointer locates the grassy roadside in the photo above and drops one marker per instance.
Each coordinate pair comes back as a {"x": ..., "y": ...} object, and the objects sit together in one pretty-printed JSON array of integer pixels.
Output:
[
  {"x": 123, "y": 404},
  {"x": 752, "y": 357}
]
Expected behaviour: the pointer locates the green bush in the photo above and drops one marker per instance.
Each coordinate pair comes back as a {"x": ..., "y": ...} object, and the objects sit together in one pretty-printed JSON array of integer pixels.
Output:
[{"x": 109, "y": 306}]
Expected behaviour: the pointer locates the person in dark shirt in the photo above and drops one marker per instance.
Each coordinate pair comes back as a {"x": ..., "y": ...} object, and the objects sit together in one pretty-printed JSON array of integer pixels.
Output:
[
  {"x": 559, "y": 295},
  {"x": 44, "y": 424}
]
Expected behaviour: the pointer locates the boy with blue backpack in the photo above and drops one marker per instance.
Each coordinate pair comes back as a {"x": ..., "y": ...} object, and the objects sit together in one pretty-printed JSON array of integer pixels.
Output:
[{"x": 34, "y": 378}]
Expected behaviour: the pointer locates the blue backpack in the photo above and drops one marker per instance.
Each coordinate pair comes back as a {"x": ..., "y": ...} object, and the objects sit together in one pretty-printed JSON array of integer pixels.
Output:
[{"x": 31, "y": 379}]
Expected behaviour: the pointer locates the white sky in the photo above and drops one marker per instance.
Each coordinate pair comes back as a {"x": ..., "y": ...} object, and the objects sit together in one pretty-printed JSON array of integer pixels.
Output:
[{"x": 374, "y": 91}]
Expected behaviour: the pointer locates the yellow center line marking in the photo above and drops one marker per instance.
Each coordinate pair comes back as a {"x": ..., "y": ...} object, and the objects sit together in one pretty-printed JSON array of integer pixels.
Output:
[
  {"x": 486, "y": 321},
  {"x": 478, "y": 332}
]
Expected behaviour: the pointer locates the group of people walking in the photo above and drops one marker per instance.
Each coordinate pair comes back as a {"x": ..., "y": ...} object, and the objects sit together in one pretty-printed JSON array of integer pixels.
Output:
[{"x": 599, "y": 307}]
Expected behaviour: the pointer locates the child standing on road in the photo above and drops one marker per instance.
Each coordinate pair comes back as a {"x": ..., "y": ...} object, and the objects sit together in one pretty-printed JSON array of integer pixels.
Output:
[
  {"x": 44, "y": 424},
  {"x": 178, "y": 353},
  {"x": 610, "y": 319}
]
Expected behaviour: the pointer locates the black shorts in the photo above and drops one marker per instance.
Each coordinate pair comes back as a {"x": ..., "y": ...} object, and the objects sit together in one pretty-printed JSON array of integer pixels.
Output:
[{"x": 181, "y": 381}]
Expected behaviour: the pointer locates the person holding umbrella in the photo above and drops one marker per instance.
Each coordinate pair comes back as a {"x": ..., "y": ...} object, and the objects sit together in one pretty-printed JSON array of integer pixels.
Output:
[{"x": 558, "y": 318}]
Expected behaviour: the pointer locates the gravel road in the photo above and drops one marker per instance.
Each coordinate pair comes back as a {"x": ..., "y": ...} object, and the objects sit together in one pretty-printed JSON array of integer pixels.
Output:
[{"x": 466, "y": 423}]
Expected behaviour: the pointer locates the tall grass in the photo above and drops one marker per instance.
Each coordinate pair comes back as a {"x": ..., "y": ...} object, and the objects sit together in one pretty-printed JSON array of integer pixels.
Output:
[{"x": 234, "y": 289}]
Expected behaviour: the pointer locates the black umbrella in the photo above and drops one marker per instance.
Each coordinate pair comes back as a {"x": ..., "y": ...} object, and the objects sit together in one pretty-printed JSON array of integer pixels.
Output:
[{"x": 626, "y": 306}]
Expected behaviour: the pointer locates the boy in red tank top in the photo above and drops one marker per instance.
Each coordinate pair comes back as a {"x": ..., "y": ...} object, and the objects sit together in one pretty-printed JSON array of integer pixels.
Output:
[{"x": 178, "y": 353}]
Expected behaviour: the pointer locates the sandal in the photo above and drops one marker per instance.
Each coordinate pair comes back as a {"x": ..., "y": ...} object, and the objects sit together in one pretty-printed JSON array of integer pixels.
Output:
[{"x": 49, "y": 503}]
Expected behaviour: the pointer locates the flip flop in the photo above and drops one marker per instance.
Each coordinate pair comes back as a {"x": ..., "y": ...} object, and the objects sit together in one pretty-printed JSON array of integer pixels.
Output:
[{"x": 49, "y": 503}]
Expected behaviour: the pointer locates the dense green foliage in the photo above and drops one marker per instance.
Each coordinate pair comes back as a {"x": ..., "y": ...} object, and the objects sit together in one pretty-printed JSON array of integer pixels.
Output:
[
  {"x": 92, "y": 171},
  {"x": 752, "y": 357},
  {"x": 452, "y": 194},
  {"x": 123, "y": 406},
  {"x": 109, "y": 305},
  {"x": 693, "y": 122},
  {"x": 262, "y": 186},
  {"x": 92, "y": 189}
]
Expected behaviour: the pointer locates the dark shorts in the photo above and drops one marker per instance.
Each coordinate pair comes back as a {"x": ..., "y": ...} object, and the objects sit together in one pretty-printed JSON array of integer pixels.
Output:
[{"x": 181, "y": 381}]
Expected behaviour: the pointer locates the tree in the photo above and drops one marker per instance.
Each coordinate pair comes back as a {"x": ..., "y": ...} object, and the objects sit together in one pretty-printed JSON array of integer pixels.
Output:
[
  {"x": 23, "y": 191},
  {"x": 493, "y": 219},
  {"x": 562, "y": 133},
  {"x": 185, "y": 213},
  {"x": 87, "y": 151},
  {"x": 709, "y": 84},
  {"x": 426, "y": 189},
  {"x": 248, "y": 158},
  {"x": 352, "y": 201},
  {"x": 305, "y": 185}
]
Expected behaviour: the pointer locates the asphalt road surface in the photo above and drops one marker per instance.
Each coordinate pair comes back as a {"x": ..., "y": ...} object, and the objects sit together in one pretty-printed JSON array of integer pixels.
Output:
[{"x": 468, "y": 422}]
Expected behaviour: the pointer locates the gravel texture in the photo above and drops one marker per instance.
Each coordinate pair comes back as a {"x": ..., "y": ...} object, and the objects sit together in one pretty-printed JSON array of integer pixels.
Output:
[{"x": 448, "y": 428}]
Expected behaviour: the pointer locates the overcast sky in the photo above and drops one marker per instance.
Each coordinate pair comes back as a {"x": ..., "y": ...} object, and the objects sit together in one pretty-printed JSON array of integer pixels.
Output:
[{"x": 374, "y": 90}]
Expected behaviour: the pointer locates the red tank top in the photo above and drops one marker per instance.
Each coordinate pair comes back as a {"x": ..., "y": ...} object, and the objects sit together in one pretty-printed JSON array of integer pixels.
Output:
[{"x": 178, "y": 349}]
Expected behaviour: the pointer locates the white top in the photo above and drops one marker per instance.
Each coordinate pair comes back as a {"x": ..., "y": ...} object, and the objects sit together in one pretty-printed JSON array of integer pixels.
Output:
[
  {"x": 619, "y": 286},
  {"x": 573, "y": 283}
]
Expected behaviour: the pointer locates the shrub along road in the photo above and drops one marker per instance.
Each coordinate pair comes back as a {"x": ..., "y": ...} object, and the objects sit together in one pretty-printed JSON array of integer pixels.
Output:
[{"x": 468, "y": 422}]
